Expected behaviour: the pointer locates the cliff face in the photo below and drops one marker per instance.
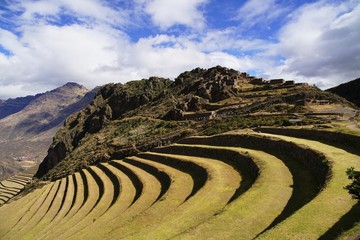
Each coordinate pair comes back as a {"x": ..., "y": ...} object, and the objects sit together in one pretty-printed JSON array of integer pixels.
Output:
[{"x": 124, "y": 119}]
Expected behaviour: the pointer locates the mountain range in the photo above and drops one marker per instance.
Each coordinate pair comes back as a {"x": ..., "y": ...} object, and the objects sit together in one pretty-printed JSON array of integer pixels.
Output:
[{"x": 28, "y": 124}]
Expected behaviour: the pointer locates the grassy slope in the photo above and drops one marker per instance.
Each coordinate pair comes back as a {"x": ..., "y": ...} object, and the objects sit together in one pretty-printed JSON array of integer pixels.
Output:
[
  {"x": 65, "y": 207},
  {"x": 24, "y": 229},
  {"x": 76, "y": 204},
  {"x": 13, "y": 185},
  {"x": 23, "y": 220},
  {"x": 314, "y": 219},
  {"x": 101, "y": 205},
  {"x": 126, "y": 197},
  {"x": 179, "y": 189},
  {"x": 50, "y": 213},
  {"x": 269, "y": 194},
  {"x": 149, "y": 193},
  {"x": 210, "y": 199},
  {"x": 85, "y": 209},
  {"x": 242, "y": 218}
]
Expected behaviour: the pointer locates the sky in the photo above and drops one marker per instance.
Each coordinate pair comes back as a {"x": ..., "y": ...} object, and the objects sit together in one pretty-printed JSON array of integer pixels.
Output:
[{"x": 46, "y": 43}]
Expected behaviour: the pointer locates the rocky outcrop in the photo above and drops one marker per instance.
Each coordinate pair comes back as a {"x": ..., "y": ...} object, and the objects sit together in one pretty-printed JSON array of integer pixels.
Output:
[
  {"x": 214, "y": 84},
  {"x": 111, "y": 102}
]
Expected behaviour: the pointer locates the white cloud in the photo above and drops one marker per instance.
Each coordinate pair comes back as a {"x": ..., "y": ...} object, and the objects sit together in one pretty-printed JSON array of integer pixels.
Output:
[
  {"x": 88, "y": 11},
  {"x": 50, "y": 55},
  {"x": 321, "y": 43},
  {"x": 40, "y": 7},
  {"x": 165, "y": 13},
  {"x": 254, "y": 12},
  {"x": 10, "y": 91},
  {"x": 229, "y": 39},
  {"x": 45, "y": 56}
]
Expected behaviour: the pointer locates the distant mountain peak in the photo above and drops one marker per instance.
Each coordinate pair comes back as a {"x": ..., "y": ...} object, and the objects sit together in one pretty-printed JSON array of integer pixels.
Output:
[{"x": 73, "y": 84}]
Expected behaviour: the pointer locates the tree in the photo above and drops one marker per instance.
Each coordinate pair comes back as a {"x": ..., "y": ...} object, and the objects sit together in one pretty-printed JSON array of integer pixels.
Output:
[{"x": 354, "y": 187}]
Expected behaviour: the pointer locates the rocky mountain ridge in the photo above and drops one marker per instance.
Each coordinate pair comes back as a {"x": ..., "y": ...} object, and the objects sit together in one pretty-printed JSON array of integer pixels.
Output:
[
  {"x": 124, "y": 119},
  {"x": 14, "y": 105}
]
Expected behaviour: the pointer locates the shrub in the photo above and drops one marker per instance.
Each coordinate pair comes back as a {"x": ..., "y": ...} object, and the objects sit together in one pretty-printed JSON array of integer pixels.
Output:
[{"x": 354, "y": 187}]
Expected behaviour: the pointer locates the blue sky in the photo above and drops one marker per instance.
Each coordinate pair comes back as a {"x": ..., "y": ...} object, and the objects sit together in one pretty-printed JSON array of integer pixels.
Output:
[{"x": 46, "y": 43}]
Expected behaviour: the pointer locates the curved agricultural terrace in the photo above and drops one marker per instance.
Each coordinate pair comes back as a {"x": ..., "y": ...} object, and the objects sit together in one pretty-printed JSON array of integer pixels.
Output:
[
  {"x": 12, "y": 186},
  {"x": 241, "y": 185}
]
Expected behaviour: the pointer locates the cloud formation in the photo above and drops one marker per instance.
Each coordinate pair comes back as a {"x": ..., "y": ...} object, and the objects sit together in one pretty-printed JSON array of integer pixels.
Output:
[
  {"x": 48, "y": 43},
  {"x": 255, "y": 12},
  {"x": 166, "y": 14},
  {"x": 321, "y": 41}
]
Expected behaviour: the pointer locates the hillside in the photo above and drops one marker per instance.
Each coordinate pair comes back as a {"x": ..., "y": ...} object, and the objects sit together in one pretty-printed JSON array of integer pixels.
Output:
[
  {"x": 14, "y": 105},
  {"x": 27, "y": 134},
  {"x": 349, "y": 91},
  {"x": 125, "y": 119},
  {"x": 272, "y": 183},
  {"x": 113, "y": 172}
]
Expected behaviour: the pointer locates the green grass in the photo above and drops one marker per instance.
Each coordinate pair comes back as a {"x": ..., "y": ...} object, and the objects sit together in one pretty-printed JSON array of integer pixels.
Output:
[
  {"x": 76, "y": 203},
  {"x": 210, "y": 199},
  {"x": 180, "y": 188},
  {"x": 64, "y": 208},
  {"x": 126, "y": 197},
  {"x": 106, "y": 191},
  {"x": 314, "y": 219},
  {"x": 240, "y": 185},
  {"x": 14, "y": 185},
  {"x": 50, "y": 213},
  {"x": 149, "y": 193},
  {"x": 244, "y": 218},
  {"x": 89, "y": 201}
]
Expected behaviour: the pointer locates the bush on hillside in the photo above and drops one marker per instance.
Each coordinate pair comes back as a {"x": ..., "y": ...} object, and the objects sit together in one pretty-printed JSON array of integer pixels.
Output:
[{"x": 354, "y": 187}]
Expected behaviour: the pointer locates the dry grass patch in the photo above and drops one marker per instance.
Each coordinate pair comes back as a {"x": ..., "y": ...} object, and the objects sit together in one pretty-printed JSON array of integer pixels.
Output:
[
  {"x": 25, "y": 228},
  {"x": 51, "y": 212},
  {"x": 12, "y": 213}
]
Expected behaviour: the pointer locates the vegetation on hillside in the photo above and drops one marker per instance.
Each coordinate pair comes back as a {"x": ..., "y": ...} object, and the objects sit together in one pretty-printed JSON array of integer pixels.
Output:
[
  {"x": 124, "y": 119},
  {"x": 114, "y": 172},
  {"x": 202, "y": 187},
  {"x": 354, "y": 187}
]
